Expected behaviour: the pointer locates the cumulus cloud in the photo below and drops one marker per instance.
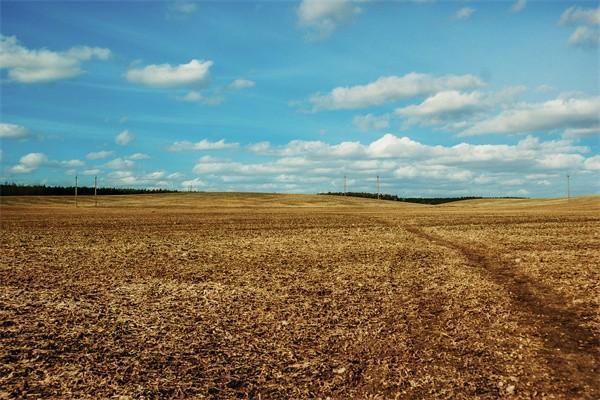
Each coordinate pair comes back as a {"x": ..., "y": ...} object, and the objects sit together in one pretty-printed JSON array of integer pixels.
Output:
[
  {"x": 42, "y": 65},
  {"x": 166, "y": 75},
  {"x": 441, "y": 172},
  {"x": 529, "y": 165},
  {"x": 321, "y": 18},
  {"x": 98, "y": 155},
  {"x": 120, "y": 164},
  {"x": 13, "y": 131},
  {"x": 370, "y": 122},
  {"x": 241, "y": 84},
  {"x": 204, "y": 144},
  {"x": 463, "y": 13},
  {"x": 518, "y": 6},
  {"x": 124, "y": 138},
  {"x": 127, "y": 177},
  {"x": 455, "y": 109},
  {"x": 29, "y": 163},
  {"x": 391, "y": 88},
  {"x": 444, "y": 104},
  {"x": 32, "y": 161},
  {"x": 561, "y": 113}
]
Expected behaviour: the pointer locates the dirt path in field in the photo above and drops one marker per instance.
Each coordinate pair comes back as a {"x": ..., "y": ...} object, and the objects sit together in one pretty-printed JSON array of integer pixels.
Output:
[{"x": 572, "y": 351}]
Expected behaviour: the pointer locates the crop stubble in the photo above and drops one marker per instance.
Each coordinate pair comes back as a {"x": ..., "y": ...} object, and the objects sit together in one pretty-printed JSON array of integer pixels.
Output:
[{"x": 346, "y": 301}]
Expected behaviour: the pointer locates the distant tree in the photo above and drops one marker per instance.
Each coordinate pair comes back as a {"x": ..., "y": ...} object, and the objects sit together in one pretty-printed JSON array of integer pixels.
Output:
[
  {"x": 419, "y": 200},
  {"x": 13, "y": 189}
]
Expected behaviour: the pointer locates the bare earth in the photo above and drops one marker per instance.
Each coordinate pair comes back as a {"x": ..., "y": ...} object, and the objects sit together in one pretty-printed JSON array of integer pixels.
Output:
[{"x": 293, "y": 297}]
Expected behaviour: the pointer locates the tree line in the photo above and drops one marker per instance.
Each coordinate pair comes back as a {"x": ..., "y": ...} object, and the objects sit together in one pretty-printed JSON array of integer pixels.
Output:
[
  {"x": 419, "y": 200},
  {"x": 13, "y": 189}
]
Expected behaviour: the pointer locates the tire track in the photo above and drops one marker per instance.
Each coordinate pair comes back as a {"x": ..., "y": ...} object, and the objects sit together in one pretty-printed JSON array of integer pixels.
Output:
[{"x": 571, "y": 350}]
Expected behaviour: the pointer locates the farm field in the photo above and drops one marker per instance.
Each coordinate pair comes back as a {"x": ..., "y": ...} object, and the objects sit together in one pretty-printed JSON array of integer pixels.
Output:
[{"x": 296, "y": 296}]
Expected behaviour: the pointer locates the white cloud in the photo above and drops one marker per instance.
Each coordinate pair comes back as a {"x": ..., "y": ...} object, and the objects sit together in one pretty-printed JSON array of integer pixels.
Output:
[
  {"x": 166, "y": 75},
  {"x": 321, "y": 149},
  {"x": 455, "y": 110},
  {"x": 321, "y": 18},
  {"x": 370, "y": 122},
  {"x": 433, "y": 172},
  {"x": 241, "y": 84},
  {"x": 260, "y": 147},
  {"x": 391, "y": 146},
  {"x": 391, "y": 88},
  {"x": 12, "y": 131},
  {"x": 29, "y": 163},
  {"x": 592, "y": 163},
  {"x": 120, "y": 164},
  {"x": 204, "y": 144},
  {"x": 561, "y": 161},
  {"x": 585, "y": 36},
  {"x": 518, "y": 6},
  {"x": 194, "y": 96},
  {"x": 42, "y": 65},
  {"x": 152, "y": 179},
  {"x": 476, "y": 169},
  {"x": 463, "y": 13},
  {"x": 98, "y": 155},
  {"x": 443, "y": 104},
  {"x": 138, "y": 156},
  {"x": 561, "y": 113},
  {"x": 124, "y": 138},
  {"x": 576, "y": 15}
]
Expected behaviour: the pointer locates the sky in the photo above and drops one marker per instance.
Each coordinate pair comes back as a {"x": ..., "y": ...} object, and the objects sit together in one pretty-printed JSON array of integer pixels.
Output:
[{"x": 437, "y": 98}]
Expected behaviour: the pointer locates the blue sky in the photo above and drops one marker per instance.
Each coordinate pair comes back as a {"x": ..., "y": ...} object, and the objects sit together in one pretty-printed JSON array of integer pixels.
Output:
[{"x": 438, "y": 98}]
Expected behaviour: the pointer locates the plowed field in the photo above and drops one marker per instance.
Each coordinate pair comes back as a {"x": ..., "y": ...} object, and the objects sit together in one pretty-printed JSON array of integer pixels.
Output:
[{"x": 292, "y": 297}]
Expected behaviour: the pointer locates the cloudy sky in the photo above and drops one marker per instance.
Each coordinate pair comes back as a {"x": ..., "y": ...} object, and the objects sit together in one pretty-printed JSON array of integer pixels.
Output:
[{"x": 436, "y": 97}]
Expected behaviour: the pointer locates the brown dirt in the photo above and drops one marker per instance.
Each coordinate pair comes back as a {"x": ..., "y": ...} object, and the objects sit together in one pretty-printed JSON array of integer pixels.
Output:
[{"x": 272, "y": 296}]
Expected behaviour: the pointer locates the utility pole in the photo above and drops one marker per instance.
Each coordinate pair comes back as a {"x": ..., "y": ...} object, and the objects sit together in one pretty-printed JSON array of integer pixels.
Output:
[
  {"x": 76, "y": 191},
  {"x": 345, "y": 185},
  {"x": 378, "y": 187},
  {"x": 568, "y": 187},
  {"x": 95, "y": 191}
]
